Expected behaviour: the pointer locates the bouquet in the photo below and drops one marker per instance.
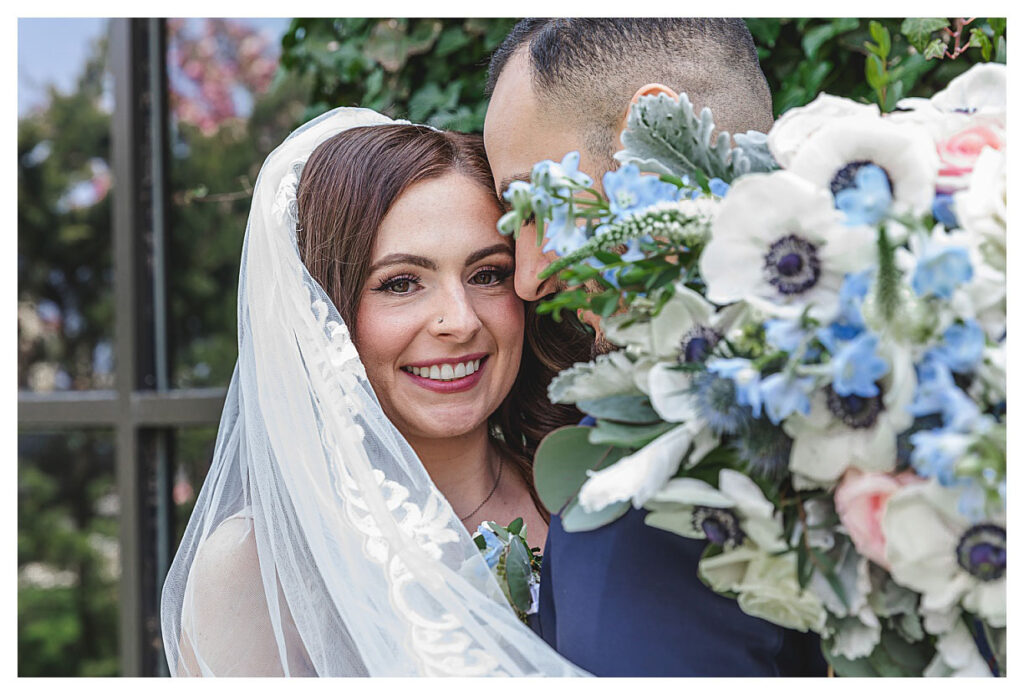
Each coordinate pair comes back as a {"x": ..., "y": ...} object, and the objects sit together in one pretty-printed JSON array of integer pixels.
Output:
[{"x": 811, "y": 362}]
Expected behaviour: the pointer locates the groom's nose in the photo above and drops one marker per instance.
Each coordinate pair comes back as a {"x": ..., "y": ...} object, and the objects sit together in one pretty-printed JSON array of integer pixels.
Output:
[{"x": 530, "y": 261}]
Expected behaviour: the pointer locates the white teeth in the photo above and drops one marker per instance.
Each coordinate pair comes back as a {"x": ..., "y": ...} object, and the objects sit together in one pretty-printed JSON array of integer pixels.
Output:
[{"x": 446, "y": 372}]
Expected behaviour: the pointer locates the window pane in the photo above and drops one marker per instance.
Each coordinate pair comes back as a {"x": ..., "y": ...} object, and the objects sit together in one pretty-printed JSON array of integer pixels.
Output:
[
  {"x": 65, "y": 275},
  {"x": 227, "y": 114},
  {"x": 68, "y": 559}
]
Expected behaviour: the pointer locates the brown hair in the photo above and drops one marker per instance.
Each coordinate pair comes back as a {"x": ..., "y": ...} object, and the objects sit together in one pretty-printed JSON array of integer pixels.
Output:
[{"x": 346, "y": 189}]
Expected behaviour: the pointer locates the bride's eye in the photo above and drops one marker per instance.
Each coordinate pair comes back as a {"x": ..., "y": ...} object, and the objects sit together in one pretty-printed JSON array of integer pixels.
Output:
[
  {"x": 401, "y": 284},
  {"x": 490, "y": 276}
]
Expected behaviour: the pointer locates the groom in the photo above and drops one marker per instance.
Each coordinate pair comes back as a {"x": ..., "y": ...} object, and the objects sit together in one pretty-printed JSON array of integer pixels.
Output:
[{"x": 625, "y": 599}]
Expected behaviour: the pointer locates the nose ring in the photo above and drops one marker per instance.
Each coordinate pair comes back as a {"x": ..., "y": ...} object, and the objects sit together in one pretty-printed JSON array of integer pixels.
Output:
[{"x": 440, "y": 319}]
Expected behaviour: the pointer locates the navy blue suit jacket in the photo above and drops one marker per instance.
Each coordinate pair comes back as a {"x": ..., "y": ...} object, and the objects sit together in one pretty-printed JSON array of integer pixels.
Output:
[{"x": 625, "y": 600}]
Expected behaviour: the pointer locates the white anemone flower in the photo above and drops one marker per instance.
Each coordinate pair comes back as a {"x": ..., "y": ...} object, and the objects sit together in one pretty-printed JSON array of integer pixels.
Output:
[
  {"x": 957, "y": 655},
  {"x": 641, "y": 474},
  {"x": 734, "y": 512},
  {"x": 981, "y": 207},
  {"x": 982, "y": 89},
  {"x": 840, "y": 433},
  {"x": 779, "y": 244},
  {"x": 685, "y": 329},
  {"x": 610, "y": 374},
  {"x": 834, "y": 154},
  {"x": 794, "y": 127},
  {"x": 934, "y": 550}
]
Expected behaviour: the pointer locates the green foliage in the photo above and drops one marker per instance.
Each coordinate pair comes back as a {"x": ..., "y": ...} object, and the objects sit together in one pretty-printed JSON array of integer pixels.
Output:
[
  {"x": 426, "y": 70},
  {"x": 68, "y": 616},
  {"x": 561, "y": 463},
  {"x": 803, "y": 57}
]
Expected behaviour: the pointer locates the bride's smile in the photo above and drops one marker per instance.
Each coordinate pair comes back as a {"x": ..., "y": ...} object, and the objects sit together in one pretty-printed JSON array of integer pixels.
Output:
[{"x": 440, "y": 327}]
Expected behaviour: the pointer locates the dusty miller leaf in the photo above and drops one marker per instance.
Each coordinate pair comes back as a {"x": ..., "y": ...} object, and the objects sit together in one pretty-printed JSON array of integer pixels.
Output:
[{"x": 665, "y": 136}]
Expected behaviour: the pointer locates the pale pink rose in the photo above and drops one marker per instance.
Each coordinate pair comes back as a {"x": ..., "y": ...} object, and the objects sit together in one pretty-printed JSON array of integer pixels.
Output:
[
  {"x": 960, "y": 151},
  {"x": 860, "y": 502}
]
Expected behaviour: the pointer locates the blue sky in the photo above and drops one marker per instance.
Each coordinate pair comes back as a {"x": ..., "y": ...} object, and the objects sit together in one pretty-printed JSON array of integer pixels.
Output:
[{"x": 52, "y": 51}]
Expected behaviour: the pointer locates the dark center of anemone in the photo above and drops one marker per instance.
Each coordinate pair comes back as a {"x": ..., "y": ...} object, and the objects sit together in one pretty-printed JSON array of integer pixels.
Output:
[
  {"x": 846, "y": 177},
  {"x": 791, "y": 265},
  {"x": 721, "y": 526},
  {"x": 858, "y": 412},
  {"x": 982, "y": 552},
  {"x": 965, "y": 109},
  {"x": 698, "y": 343}
]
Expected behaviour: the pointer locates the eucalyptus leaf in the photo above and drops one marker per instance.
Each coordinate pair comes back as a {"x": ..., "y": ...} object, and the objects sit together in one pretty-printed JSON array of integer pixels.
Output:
[
  {"x": 576, "y": 519},
  {"x": 626, "y": 435},
  {"x": 516, "y": 526},
  {"x": 561, "y": 463},
  {"x": 632, "y": 409},
  {"x": 518, "y": 572}
]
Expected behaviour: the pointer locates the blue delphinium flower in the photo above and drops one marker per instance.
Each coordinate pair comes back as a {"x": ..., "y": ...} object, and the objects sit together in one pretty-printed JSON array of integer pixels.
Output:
[
  {"x": 856, "y": 367},
  {"x": 629, "y": 191},
  {"x": 852, "y": 292},
  {"x": 746, "y": 379},
  {"x": 934, "y": 382},
  {"x": 563, "y": 235},
  {"x": 868, "y": 200},
  {"x": 944, "y": 211},
  {"x": 940, "y": 270},
  {"x": 718, "y": 187},
  {"x": 715, "y": 399},
  {"x": 963, "y": 345},
  {"x": 494, "y": 545},
  {"x": 560, "y": 175},
  {"x": 784, "y": 334},
  {"x": 936, "y": 452},
  {"x": 783, "y": 395}
]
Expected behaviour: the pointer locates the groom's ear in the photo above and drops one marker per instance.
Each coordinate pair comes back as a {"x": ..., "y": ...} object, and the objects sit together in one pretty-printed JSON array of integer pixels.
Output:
[{"x": 647, "y": 90}]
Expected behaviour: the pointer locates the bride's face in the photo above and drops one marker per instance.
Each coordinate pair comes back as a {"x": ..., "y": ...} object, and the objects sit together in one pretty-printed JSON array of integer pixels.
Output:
[{"x": 439, "y": 326}]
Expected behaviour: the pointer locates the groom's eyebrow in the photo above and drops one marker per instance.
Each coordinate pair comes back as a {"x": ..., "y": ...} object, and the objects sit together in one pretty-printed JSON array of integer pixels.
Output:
[
  {"x": 507, "y": 181},
  {"x": 400, "y": 258}
]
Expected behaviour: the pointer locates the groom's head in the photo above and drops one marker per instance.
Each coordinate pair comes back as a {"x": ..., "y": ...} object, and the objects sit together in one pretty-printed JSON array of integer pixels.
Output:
[{"x": 559, "y": 85}]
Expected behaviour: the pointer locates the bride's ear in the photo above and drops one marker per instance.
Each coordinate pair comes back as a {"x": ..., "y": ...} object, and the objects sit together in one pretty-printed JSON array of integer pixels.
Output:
[{"x": 647, "y": 90}]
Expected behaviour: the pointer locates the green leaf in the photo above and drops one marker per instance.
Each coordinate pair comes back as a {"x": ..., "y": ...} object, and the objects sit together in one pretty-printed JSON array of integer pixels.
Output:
[
  {"x": 605, "y": 303},
  {"x": 874, "y": 71},
  {"x": 935, "y": 49},
  {"x": 1001, "y": 50},
  {"x": 561, "y": 463},
  {"x": 481, "y": 543},
  {"x": 518, "y": 572},
  {"x": 881, "y": 36},
  {"x": 980, "y": 40},
  {"x": 516, "y": 526},
  {"x": 861, "y": 668},
  {"x": 633, "y": 409},
  {"x": 918, "y": 30},
  {"x": 575, "y": 519},
  {"x": 998, "y": 26},
  {"x": 629, "y": 436}
]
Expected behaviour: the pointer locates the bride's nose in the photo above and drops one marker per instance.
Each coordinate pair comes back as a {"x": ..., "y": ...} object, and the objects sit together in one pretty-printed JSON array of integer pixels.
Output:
[{"x": 455, "y": 316}]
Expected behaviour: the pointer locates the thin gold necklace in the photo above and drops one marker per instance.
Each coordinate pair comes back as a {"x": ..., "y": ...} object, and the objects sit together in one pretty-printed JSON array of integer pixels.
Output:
[{"x": 497, "y": 479}]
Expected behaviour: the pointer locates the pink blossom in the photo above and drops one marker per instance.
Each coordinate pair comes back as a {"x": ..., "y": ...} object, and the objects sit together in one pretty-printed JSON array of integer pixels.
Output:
[
  {"x": 960, "y": 151},
  {"x": 860, "y": 502}
]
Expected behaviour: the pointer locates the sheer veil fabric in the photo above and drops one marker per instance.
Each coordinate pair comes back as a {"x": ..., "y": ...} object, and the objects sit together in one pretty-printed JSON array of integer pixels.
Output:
[{"x": 318, "y": 544}]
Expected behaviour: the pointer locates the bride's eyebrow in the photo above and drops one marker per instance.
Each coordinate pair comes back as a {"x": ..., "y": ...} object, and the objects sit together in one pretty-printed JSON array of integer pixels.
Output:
[
  {"x": 485, "y": 252},
  {"x": 400, "y": 258}
]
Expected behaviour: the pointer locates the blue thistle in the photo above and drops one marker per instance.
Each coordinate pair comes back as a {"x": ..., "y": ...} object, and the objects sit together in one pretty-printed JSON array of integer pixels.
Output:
[
  {"x": 716, "y": 402},
  {"x": 765, "y": 448}
]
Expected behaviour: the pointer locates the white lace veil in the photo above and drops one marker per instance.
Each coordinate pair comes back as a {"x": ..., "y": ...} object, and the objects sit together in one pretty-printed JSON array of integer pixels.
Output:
[{"x": 318, "y": 544}]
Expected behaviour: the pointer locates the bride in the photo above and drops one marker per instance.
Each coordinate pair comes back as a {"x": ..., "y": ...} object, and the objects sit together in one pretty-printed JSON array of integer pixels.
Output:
[{"x": 383, "y": 403}]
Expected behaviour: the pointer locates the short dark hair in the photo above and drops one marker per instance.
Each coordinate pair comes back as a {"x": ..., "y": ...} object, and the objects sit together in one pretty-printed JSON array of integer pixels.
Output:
[{"x": 587, "y": 69}]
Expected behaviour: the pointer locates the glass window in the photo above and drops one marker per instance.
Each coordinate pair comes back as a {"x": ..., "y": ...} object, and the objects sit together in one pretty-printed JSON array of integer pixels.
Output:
[
  {"x": 227, "y": 114},
  {"x": 65, "y": 277},
  {"x": 68, "y": 559}
]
